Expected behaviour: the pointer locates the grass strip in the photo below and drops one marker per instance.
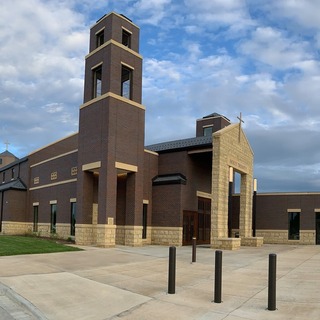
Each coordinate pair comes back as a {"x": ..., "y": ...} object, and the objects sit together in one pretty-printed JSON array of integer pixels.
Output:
[{"x": 16, "y": 245}]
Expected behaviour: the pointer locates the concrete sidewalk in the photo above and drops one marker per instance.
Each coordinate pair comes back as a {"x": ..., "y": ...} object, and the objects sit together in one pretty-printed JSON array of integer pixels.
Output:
[{"x": 132, "y": 283}]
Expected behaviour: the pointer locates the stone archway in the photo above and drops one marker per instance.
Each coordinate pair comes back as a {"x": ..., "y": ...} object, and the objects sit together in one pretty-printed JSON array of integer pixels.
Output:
[{"x": 231, "y": 149}]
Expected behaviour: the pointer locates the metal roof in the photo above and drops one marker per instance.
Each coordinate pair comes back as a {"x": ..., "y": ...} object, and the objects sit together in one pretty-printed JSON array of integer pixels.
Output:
[
  {"x": 165, "y": 179},
  {"x": 183, "y": 144},
  {"x": 16, "y": 184}
]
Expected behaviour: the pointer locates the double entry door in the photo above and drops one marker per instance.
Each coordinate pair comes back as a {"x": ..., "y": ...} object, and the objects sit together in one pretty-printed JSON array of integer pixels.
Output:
[{"x": 196, "y": 224}]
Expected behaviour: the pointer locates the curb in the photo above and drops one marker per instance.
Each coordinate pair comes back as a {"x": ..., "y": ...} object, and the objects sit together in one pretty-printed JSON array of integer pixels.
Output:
[{"x": 22, "y": 302}]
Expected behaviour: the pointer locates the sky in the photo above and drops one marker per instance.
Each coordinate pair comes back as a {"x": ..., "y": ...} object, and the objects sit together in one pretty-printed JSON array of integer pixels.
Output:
[{"x": 257, "y": 57}]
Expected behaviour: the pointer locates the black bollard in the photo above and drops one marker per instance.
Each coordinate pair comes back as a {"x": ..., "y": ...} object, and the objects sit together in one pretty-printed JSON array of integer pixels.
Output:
[
  {"x": 272, "y": 282},
  {"x": 194, "y": 249},
  {"x": 172, "y": 271},
  {"x": 218, "y": 276}
]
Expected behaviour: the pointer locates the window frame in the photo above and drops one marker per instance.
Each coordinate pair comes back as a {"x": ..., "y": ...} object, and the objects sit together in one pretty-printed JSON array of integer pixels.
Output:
[
  {"x": 35, "y": 218},
  {"x": 144, "y": 220},
  {"x": 205, "y": 129},
  {"x": 97, "y": 81},
  {"x": 99, "y": 38},
  {"x": 53, "y": 218},
  {"x": 294, "y": 226},
  {"x": 73, "y": 215},
  {"x": 126, "y": 82},
  {"x": 126, "y": 38}
]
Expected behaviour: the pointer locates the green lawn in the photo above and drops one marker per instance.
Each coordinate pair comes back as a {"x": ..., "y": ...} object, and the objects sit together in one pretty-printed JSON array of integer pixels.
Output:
[{"x": 15, "y": 245}]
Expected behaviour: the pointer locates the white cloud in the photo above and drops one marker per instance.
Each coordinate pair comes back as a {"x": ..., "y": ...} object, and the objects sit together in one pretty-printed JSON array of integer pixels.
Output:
[
  {"x": 271, "y": 46},
  {"x": 200, "y": 56},
  {"x": 41, "y": 61},
  {"x": 151, "y": 12}
]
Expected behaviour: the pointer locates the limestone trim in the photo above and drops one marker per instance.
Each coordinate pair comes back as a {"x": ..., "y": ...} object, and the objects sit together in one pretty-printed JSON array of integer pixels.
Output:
[
  {"x": 97, "y": 65},
  {"x": 317, "y": 210},
  {"x": 126, "y": 166},
  {"x": 115, "y": 96},
  {"x": 125, "y": 29},
  {"x": 127, "y": 65},
  {"x": 54, "y": 158},
  {"x": 35, "y": 204},
  {"x": 145, "y": 201},
  {"x": 73, "y": 199},
  {"x": 53, "y": 202},
  {"x": 53, "y": 184},
  {"x": 91, "y": 166},
  {"x": 50, "y": 144},
  {"x": 151, "y": 152},
  {"x": 293, "y": 210},
  {"x": 200, "y": 151},
  {"x": 118, "y": 15},
  {"x": 107, "y": 43},
  {"x": 100, "y": 30},
  {"x": 204, "y": 195}
]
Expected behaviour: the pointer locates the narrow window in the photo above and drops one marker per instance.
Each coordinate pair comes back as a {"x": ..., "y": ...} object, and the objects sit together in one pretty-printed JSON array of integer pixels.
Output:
[
  {"x": 73, "y": 219},
  {"x": 144, "y": 221},
  {"x": 126, "y": 38},
  {"x": 0, "y": 160},
  {"x": 97, "y": 77},
  {"x": 294, "y": 226},
  {"x": 3, "y": 177},
  {"x": 126, "y": 79},
  {"x": 53, "y": 224},
  {"x": 100, "y": 38},
  {"x": 207, "y": 131},
  {"x": 12, "y": 173},
  {"x": 35, "y": 218}
]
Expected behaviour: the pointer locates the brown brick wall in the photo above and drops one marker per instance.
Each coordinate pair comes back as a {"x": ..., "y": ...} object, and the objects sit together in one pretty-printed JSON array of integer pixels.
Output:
[
  {"x": 67, "y": 144},
  {"x": 113, "y": 24},
  {"x": 217, "y": 122},
  {"x": 20, "y": 171},
  {"x": 272, "y": 210},
  {"x": 14, "y": 205},
  {"x": 62, "y": 166},
  {"x": 167, "y": 210}
]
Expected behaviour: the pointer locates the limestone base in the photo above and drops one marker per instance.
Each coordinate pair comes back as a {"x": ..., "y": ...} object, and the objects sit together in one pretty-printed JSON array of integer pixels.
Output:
[
  {"x": 16, "y": 228},
  {"x": 106, "y": 235},
  {"x": 226, "y": 243},
  {"x": 281, "y": 237},
  {"x": 252, "y": 241},
  {"x": 166, "y": 236},
  {"x": 129, "y": 236},
  {"x": 85, "y": 234}
]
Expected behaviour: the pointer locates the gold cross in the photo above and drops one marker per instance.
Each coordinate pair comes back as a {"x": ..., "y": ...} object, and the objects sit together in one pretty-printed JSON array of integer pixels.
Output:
[
  {"x": 7, "y": 143},
  {"x": 240, "y": 122}
]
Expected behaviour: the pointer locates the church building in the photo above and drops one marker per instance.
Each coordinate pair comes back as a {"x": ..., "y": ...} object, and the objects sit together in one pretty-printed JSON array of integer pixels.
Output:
[{"x": 102, "y": 186}]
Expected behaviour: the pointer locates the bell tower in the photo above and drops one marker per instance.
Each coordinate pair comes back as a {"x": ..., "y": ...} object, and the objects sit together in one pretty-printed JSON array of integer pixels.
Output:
[{"x": 111, "y": 137}]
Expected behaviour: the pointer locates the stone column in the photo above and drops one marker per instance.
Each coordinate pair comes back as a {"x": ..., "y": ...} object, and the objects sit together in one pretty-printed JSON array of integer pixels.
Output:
[{"x": 245, "y": 218}]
